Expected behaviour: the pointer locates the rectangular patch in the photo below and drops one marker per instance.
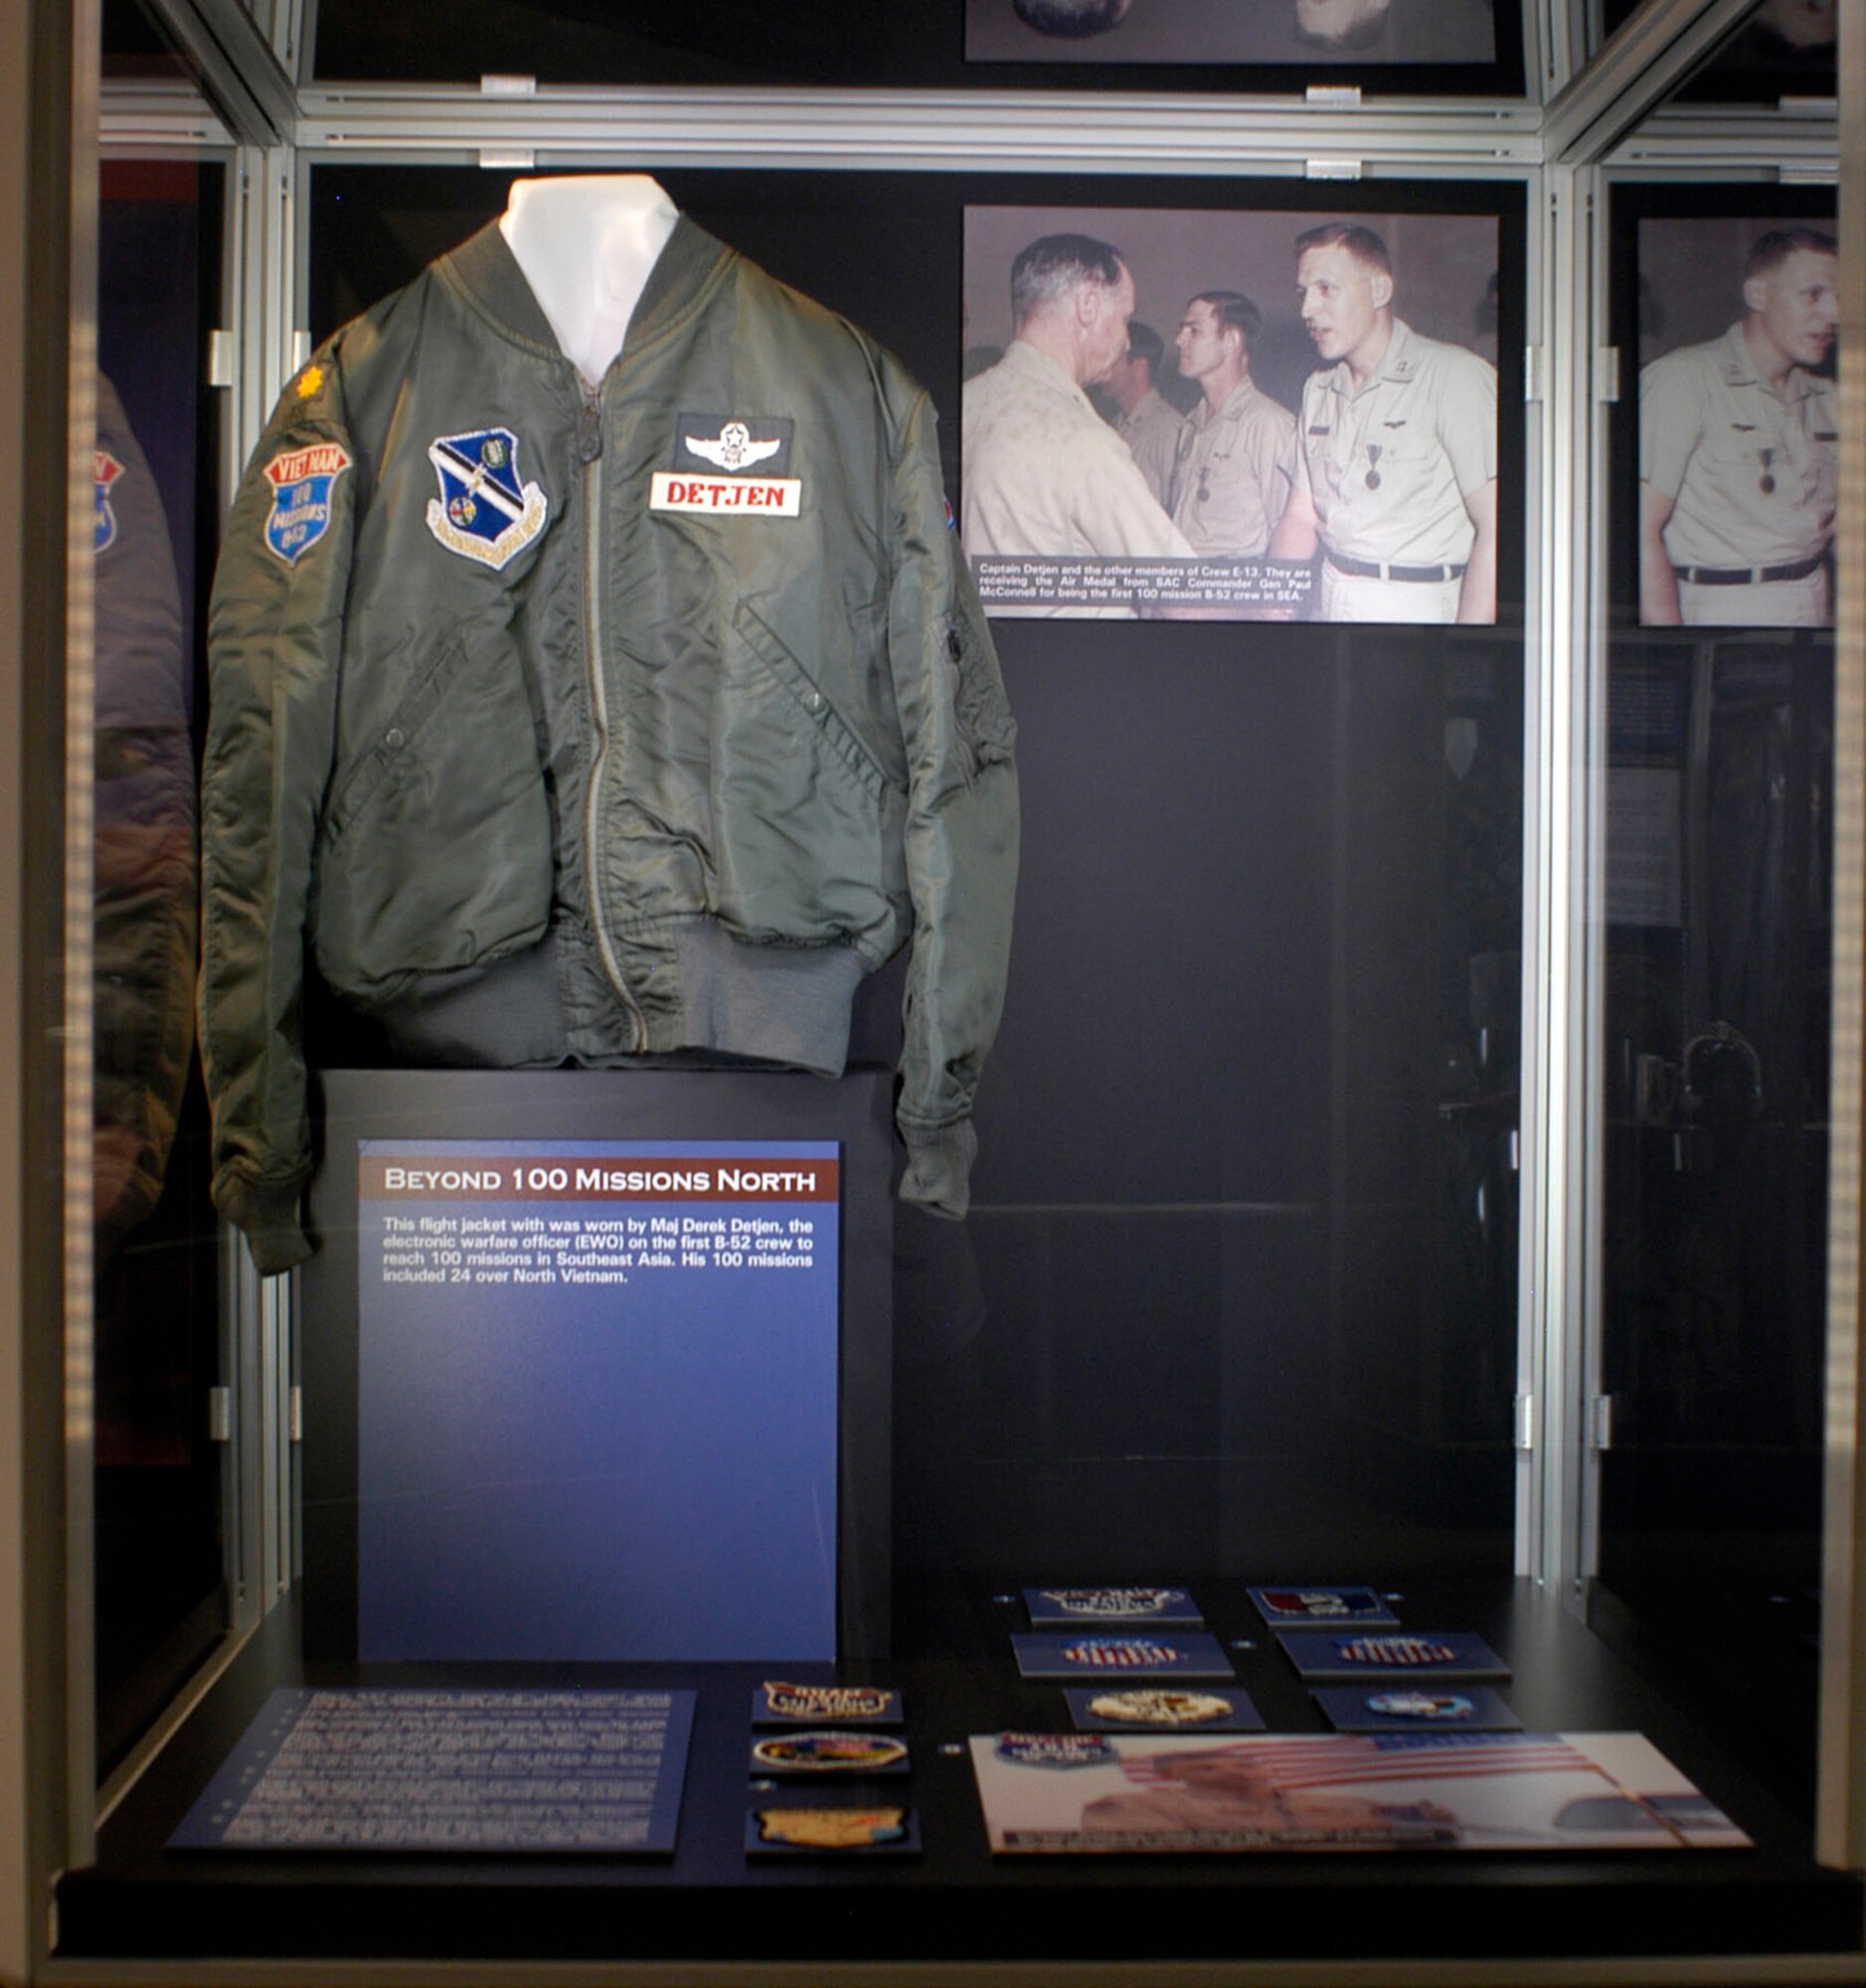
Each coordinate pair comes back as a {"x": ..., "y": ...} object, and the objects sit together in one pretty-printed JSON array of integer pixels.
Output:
[
  {"x": 753, "y": 496},
  {"x": 739, "y": 444},
  {"x": 1086, "y": 1607},
  {"x": 1322, "y": 1655},
  {"x": 1044, "y": 1654}
]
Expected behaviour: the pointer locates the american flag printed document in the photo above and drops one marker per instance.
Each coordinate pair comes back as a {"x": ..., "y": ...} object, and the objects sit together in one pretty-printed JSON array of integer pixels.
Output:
[{"x": 1406, "y": 1791}]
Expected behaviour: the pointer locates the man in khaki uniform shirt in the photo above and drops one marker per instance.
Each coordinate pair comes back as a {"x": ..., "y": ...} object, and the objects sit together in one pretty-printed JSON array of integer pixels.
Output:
[
  {"x": 1232, "y": 481},
  {"x": 1392, "y": 470},
  {"x": 1739, "y": 453},
  {"x": 1148, "y": 424},
  {"x": 1044, "y": 474}
]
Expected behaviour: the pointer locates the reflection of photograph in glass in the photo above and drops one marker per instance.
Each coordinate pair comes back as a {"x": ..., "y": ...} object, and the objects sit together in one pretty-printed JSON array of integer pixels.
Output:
[
  {"x": 1231, "y": 415},
  {"x": 1246, "y": 32},
  {"x": 1739, "y": 425},
  {"x": 1785, "y": 48}
]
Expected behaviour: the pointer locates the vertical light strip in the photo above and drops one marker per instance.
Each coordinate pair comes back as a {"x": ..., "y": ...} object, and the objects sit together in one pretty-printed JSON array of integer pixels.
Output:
[
  {"x": 1840, "y": 1810},
  {"x": 1539, "y": 1224},
  {"x": 78, "y": 934},
  {"x": 19, "y": 1936},
  {"x": 1556, "y": 1122},
  {"x": 1587, "y": 328}
]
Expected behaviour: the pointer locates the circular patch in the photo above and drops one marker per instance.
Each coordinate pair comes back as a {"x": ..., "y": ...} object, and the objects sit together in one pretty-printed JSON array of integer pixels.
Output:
[
  {"x": 1442, "y": 1706},
  {"x": 1161, "y": 1708},
  {"x": 828, "y": 1752}
]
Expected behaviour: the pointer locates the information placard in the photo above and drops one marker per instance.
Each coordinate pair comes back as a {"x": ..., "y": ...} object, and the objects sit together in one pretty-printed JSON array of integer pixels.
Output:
[
  {"x": 597, "y": 1400},
  {"x": 450, "y": 1770}
]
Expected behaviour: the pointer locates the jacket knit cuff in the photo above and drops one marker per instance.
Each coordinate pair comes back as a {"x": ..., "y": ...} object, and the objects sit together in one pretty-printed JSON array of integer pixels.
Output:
[
  {"x": 939, "y": 1167},
  {"x": 270, "y": 1217}
]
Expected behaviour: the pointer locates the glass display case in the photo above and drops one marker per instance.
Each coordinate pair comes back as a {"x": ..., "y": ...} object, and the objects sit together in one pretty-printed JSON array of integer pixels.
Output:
[{"x": 1390, "y": 1387}]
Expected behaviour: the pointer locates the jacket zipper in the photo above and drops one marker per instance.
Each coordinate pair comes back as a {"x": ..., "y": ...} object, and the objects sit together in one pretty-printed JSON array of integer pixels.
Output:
[{"x": 589, "y": 449}]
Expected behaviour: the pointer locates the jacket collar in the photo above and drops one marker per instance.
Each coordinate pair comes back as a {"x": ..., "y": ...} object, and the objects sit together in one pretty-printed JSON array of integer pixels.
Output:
[{"x": 484, "y": 268}]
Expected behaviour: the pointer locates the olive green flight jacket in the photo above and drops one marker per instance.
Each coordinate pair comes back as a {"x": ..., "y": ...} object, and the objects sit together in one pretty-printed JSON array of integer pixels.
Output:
[{"x": 597, "y": 723}]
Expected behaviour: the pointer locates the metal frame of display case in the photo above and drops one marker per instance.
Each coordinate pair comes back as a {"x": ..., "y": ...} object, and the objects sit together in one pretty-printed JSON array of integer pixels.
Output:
[
  {"x": 1598, "y": 120},
  {"x": 1841, "y": 1818}
]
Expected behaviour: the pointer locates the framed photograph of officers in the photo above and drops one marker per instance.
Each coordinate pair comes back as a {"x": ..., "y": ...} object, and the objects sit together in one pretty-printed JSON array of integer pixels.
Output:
[
  {"x": 1231, "y": 415},
  {"x": 1738, "y": 411}
]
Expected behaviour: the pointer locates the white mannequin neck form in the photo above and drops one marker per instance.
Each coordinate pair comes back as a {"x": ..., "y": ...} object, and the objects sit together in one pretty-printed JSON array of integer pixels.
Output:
[{"x": 587, "y": 246}]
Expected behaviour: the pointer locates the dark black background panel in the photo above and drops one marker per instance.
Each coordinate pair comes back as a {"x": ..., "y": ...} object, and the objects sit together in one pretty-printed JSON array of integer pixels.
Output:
[{"x": 1718, "y": 974}]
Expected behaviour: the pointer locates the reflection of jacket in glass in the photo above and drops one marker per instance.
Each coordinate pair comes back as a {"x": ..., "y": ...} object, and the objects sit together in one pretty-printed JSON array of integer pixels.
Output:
[
  {"x": 144, "y": 850},
  {"x": 712, "y": 766}
]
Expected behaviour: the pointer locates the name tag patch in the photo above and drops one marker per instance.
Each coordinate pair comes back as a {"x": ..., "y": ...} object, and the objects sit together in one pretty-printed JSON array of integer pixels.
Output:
[
  {"x": 302, "y": 480},
  {"x": 760, "y": 496}
]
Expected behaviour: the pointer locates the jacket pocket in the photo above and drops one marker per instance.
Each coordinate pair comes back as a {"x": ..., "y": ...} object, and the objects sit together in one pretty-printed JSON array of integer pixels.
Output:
[
  {"x": 436, "y": 850},
  {"x": 807, "y": 823},
  {"x": 980, "y": 709},
  {"x": 811, "y": 703}
]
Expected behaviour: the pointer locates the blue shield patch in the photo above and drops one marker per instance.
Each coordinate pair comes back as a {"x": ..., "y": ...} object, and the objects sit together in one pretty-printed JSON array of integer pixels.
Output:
[
  {"x": 302, "y": 481},
  {"x": 483, "y": 513}
]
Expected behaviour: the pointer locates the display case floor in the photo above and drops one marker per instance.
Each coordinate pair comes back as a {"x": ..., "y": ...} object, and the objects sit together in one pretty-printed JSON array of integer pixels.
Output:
[{"x": 955, "y": 1901}]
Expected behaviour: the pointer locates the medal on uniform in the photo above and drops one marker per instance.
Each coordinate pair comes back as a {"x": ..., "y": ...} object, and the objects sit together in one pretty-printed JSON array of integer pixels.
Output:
[
  {"x": 1769, "y": 480},
  {"x": 1373, "y": 460}
]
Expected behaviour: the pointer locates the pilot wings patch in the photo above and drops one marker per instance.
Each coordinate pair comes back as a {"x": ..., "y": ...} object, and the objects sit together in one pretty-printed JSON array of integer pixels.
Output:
[{"x": 736, "y": 443}]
